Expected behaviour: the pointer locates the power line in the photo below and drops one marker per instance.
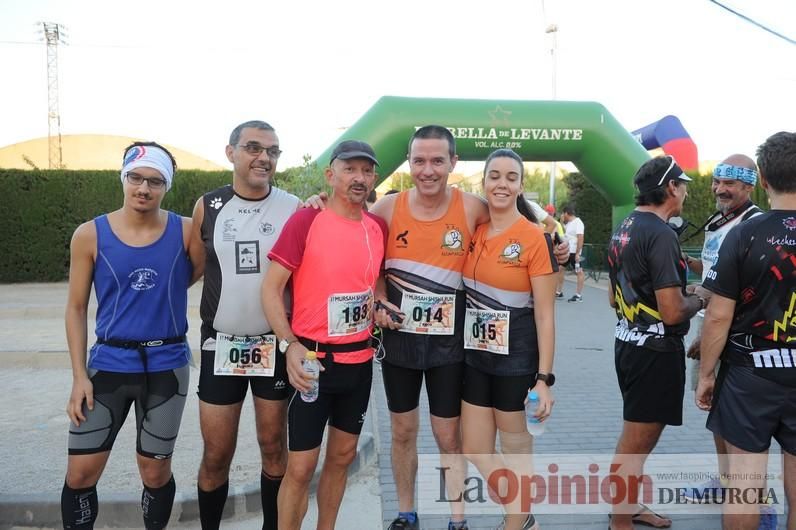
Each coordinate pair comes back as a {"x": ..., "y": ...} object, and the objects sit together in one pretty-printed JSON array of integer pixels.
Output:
[{"x": 758, "y": 24}]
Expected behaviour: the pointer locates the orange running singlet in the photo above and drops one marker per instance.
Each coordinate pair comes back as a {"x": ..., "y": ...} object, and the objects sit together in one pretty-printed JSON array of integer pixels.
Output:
[{"x": 427, "y": 255}]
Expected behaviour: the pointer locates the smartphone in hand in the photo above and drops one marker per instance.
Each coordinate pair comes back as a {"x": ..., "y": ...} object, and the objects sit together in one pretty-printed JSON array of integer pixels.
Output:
[{"x": 394, "y": 315}]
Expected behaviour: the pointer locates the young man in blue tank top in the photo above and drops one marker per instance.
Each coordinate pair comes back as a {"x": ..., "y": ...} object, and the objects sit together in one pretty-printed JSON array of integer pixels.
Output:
[{"x": 136, "y": 258}]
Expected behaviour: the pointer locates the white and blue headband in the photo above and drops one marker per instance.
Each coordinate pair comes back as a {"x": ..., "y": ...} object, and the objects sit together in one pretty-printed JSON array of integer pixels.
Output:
[
  {"x": 152, "y": 157},
  {"x": 728, "y": 171}
]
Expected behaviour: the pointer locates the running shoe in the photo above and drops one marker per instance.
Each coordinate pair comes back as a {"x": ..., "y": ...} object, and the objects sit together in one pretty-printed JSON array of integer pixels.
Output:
[
  {"x": 704, "y": 493},
  {"x": 402, "y": 523},
  {"x": 559, "y": 294},
  {"x": 768, "y": 518},
  {"x": 529, "y": 524},
  {"x": 575, "y": 298},
  {"x": 460, "y": 526}
]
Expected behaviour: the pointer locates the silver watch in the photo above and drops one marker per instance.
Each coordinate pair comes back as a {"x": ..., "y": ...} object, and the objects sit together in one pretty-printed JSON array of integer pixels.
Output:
[{"x": 284, "y": 344}]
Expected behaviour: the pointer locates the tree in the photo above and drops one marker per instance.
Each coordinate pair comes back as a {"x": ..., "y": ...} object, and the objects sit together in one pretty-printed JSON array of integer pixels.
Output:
[{"x": 302, "y": 181}]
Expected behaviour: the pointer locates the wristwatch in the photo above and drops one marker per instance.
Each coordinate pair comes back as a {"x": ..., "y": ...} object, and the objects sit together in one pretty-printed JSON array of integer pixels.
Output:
[
  {"x": 549, "y": 379},
  {"x": 284, "y": 344}
]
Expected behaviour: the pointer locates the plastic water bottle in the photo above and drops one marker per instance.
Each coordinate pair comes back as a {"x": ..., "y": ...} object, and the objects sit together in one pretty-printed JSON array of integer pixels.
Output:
[
  {"x": 312, "y": 367},
  {"x": 535, "y": 427}
]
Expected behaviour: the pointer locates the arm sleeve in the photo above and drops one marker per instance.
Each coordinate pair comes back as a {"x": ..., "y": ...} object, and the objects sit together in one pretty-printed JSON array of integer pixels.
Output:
[
  {"x": 665, "y": 260},
  {"x": 723, "y": 277},
  {"x": 288, "y": 250}
]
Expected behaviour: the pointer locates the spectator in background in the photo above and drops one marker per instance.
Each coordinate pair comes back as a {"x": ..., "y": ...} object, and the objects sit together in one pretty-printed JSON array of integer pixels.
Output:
[{"x": 574, "y": 231}]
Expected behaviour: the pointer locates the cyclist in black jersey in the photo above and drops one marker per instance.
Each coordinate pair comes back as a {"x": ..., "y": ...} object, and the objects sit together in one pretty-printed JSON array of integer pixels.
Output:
[
  {"x": 750, "y": 325},
  {"x": 647, "y": 276}
]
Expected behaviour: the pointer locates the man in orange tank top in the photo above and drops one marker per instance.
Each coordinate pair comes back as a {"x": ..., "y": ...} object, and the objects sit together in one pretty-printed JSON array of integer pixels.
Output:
[{"x": 430, "y": 228}]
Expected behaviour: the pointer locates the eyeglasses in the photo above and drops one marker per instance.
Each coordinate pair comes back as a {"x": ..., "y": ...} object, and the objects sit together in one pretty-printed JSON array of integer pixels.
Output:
[
  {"x": 255, "y": 149},
  {"x": 136, "y": 180}
]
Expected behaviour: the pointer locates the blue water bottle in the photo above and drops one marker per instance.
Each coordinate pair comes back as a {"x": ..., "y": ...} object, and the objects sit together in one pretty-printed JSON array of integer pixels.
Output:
[{"x": 535, "y": 427}]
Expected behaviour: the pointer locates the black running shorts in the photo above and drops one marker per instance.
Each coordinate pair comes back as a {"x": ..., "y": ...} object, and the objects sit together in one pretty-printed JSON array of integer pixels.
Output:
[
  {"x": 342, "y": 401},
  {"x": 443, "y": 386},
  {"x": 502, "y": 392},
  {"x": 652, "y": 383},
  {"x": 231, "y": 389},
  {"x": 749, "y": 410},
  {"x": 160, "y": 394}
]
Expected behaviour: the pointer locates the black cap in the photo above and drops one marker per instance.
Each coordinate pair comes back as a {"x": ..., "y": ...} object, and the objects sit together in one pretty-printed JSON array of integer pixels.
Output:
[
  {"x": 653, "y": 174},
  {"x": 349, "y": 149}
]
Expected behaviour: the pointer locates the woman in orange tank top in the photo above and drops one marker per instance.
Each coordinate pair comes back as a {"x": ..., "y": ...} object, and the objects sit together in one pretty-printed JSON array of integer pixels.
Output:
[{"x": 509, "y": 331}]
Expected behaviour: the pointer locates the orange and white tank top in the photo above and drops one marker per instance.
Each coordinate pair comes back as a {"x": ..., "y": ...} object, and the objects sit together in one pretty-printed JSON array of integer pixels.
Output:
[{"x": 427, "y": 256}]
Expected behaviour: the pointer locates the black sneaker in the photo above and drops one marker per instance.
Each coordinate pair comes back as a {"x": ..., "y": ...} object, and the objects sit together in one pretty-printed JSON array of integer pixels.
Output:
[
  {"x": 559, "y": 294},
  {"x": 402, "y": 523},
  {"x": 461, "y": 526},
  {"x": 575, "y": 298}
]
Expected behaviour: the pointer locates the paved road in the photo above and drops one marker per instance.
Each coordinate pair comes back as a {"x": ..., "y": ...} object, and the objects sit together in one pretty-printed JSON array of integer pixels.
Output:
[
  {"x": 587, "y": 417},
  {"x": 36, "y": 381}
]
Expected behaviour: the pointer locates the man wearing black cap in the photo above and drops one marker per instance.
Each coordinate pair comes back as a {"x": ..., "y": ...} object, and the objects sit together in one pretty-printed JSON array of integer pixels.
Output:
[
  {"x": 648, "y": 278},
  {"x": 333, "y": 258}
]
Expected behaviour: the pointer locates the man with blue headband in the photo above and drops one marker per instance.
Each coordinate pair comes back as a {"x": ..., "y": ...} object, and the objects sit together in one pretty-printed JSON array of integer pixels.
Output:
[{"x": 734, "y": 181}]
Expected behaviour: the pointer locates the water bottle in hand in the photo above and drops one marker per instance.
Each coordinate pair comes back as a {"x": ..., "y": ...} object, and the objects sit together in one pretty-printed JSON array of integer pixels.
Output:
[
  {"x": 312, "y": 367},
  {"x": 535, "y": 427}
]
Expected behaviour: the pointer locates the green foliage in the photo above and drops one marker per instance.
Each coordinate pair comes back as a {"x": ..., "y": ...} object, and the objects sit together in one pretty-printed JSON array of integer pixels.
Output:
[
  {"x": 539, "y": 181},
  {"x": 401, "y": 181},
  {"x": 303, "y": 181},
  {"x": 592, "y": 208},
  {"x": 43, "y": 208},
  {"x": 595, "y": 210}
]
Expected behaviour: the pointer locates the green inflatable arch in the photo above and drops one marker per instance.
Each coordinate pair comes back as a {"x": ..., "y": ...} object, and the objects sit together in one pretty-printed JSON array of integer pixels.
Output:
[{"x": 584, "y": 133}]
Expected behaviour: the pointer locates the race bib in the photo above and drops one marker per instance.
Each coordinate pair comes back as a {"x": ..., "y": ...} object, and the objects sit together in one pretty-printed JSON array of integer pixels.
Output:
[
  {"x": 488, "y": 330},
  {"x": 349, "y": 313},
  {"x": 249, "y": 356},
  {"x": 431, "y": 314}
]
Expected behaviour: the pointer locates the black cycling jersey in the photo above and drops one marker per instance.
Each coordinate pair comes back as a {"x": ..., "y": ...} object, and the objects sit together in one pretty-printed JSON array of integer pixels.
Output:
[
  {"x": 757, "y": 269},
  {"x": 644, "y": 255}
]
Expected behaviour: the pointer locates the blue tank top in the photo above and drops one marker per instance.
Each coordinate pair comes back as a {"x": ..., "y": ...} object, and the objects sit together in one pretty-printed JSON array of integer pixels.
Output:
[{"x": 142, "y": 295}]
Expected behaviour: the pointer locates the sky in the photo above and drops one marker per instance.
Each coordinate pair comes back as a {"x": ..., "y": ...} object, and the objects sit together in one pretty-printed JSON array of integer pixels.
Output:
[{"x": 185, "y": 73}]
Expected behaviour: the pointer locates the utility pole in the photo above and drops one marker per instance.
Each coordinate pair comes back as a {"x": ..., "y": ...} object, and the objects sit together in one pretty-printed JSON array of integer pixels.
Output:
[
  {"x": 53, "y": 35},
  {"x": 552, "y": 30}
]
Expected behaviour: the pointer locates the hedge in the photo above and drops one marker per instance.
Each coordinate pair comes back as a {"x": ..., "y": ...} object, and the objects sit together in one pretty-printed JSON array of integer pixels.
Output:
[
  {"x": 595, "y": 211},
  {"x": 42, "y": 209}
]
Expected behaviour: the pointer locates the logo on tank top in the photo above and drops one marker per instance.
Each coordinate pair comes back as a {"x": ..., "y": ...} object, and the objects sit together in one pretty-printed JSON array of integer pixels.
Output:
[
  {"x": 453, "y": 241},
  {"x": 216, "y": 203},
  {"x": 266, "y": 229},
  {"x": 402, "y": 238},
  {"x": 511, "y": 254},
  {"x": 229, "y": 230},
  {"x": 247, "y": 255},
  {"x": 142, "y": 279},
  {"x": 789, "y": 223}
]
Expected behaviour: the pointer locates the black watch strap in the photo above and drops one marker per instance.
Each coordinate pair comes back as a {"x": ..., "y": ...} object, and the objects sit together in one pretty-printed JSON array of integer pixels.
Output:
[{"x": 549, "y": 379}]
